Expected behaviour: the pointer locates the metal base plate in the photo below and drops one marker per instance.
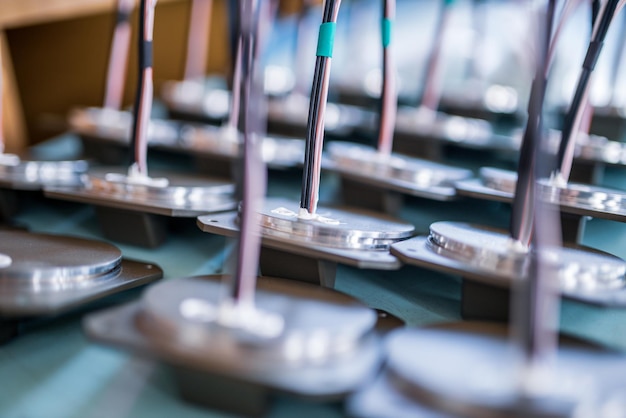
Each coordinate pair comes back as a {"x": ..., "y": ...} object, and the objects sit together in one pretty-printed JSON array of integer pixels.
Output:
[
  {"x": 465, "y": 132},
  {"x": 574, "y": 198},
  {"x": 599, "y": 149},
  {"x": 19, "y": 174},
  {"x": 450, "y": 372},
  {"x": 587, "y": 276},
  {"x": 277, "y": 152},
  {"x": 184, "y": 196},
  {"x": 320, "y": 355},
  {"x": 339, "y": 119},
  {"x": 475, "y": 97},
  {"x": 395, "y": 172},
  {"x": 332, "y": 227},
  {"x": 198, "y": 98},
  {"x": 115, "y": 126},
  {"x": 590, "y": 149},
  {"x": 226, "y": 224},
  {"x": 49, "y": 274},
  {"x": 587, "y": 200}
]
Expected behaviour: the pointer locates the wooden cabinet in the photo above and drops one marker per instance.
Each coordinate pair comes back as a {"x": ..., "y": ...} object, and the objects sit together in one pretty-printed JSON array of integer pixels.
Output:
[{"x": 55, "y": 54}]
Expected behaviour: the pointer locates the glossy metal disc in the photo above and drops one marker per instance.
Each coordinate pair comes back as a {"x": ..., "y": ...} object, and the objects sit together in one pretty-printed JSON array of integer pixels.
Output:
[
  {"x": 456, "y": 129},
  {"x": 473, "y": 375},
  {"x": 498, "y": 179},
  {"x": 339, "y": 118},
  {"x": 181, "y": 191},
  {"x": 332, "y": 227},
  {"x": 197, "y": 97},
  {"x": 369, "y": 162},
  {"x": 116, "y": 125},
  {"x": 493, "y": 250},
  {"x": 213, "y": 140},
  {"x": 48, "y": 263},
  {"x": 592, "y": 148},
  {"x": 32, "y": 175},
  {"x": 580, "y": 199},
  {"x": 280, "y": 331},
  {"x": 584, "y": 196}
]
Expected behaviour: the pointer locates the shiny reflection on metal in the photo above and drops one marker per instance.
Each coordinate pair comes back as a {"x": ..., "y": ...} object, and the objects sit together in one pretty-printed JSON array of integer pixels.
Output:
[
  {"x": 191, "y": 312},
  {"x": 383, "y": 399},
  {"x": 49, "y": 274},
  {"x": 293, "y": 110},
  {"x": 278, "y": 80},
  {"x": 184, "y": 195},
  {"x": 221, "y": 142},
  {"x": 455, "y": 129},
  {"x": 403, "y": 173},
  {"x": 584, "y": 196},
  {"x": 5, "y": 261},
  {"x": 591, "y": 148},
  {"x": 498, "y": 179},
  {"x": 465, "y": 374},
  {"x": 479, "y": 246},
  {"x": 33, "y": 175},
  {"x": 585, "y": 275},
  {"x": 601, "y": 149},
  {"x": 326, "y": 347},
  {"x": 196, "y": 97},
  {"x": 116, "y": 126},
  {"x": 576, "y": 198},
  {"x": 47, "y": 263},
  {"x": 226, "y": 224},
  {"x": 494, "y": 250},
  {"x": 332, "y": 227}
]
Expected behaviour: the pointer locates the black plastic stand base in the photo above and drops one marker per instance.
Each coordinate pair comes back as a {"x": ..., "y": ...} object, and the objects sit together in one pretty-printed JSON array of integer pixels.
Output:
[
  {"x": 219, "y": 392},
  {"x": 104, "y": 151},
  {"x": 484, "y": 302},
  {"x": 9, "y": 204},
  {"x": 573, "y": 227},
  {"x": 610, "y": 126},
  {"x": 194, "y": 117},
  {"x": 420, "y": 147},
  {"x": 8, "y": 330},
  {"x": 587, "y": 172},
  {"x": 134, "y": 228},
  {"x": 215, "y": 167},
  {"x": 364, "y": 196},
  {"x": 284, "y": 265}
]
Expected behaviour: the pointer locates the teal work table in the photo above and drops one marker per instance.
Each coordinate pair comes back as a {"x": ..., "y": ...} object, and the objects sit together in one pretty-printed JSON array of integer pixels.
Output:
[{"x": 53, "y": 371}]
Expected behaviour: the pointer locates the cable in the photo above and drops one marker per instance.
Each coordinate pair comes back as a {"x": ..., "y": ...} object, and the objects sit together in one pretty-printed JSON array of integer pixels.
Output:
[
  {"x": 317, "y": 108},
  {"x": 576, "y": 110}
]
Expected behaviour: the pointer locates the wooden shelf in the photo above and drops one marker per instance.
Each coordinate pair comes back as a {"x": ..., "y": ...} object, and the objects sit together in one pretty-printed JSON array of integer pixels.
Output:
[
  {"x": 22, "y": 13},
  {"x": 16, "y": 13}
]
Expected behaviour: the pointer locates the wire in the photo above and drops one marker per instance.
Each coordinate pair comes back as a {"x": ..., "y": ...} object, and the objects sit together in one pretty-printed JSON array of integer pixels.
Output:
[
  {"x": 118, "y": 57},
  {"x": 317, "y": 108},
  {"x": 574, "y": 116},
  {"x": 521, "y": 224},
  {"x": 389, "y": 93},
  {"x": 143, "y": 98},
  {"x": 242, "y": 285}
]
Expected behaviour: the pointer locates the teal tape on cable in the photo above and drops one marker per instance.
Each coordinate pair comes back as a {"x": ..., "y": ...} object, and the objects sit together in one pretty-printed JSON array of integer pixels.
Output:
[
  {"x": 386, "y": 31},
  {"x": 448, "y": 2},
  {"x": 326, "y": 39}
]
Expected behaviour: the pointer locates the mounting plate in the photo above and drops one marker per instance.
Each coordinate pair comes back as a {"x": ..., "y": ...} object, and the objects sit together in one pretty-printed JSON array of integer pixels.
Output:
[
  {"x": 250, "y": 364},
  {"x": 50, "y": 274},
  {"x": 418, "y": 252},
  {"x": 445, "y": 373},
  {"x": 186, "y": 196},
  {"x": 226, "y": 224},
  {"x": 396, "y": 172}
]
